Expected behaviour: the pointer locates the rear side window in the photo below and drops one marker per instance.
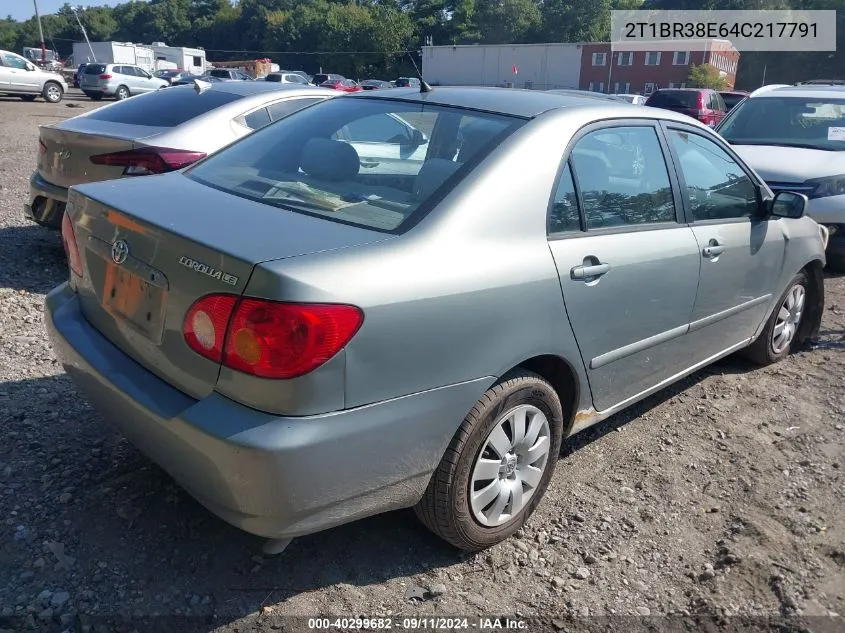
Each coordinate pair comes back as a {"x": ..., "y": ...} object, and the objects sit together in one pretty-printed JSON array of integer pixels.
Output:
[
  {"x": 164, "y": 108},
  {"x": 622, "y": 176},
  {"x": 95, "y": 69},
  {"x": 257, "y": 118},
  {"x": 281, "y": 109}
]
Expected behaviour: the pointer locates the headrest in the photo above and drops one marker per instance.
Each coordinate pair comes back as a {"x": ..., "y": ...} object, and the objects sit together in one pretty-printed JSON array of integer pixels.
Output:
[
  {"x": 433, "y": 173},
  {"x": 329, "y": 160}
]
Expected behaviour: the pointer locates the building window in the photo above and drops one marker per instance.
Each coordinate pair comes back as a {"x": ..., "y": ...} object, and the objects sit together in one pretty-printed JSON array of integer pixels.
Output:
[
  {"x": 649, "y": 88},
  {"x": 680, "y": 58},
  {"x": 622, "y": 88},
  {"x": 596, "y": 86},
  {"x": 599, "y": 59},
  {"x": 625, "y": 59},
  {"x": 652, "y": 59}
]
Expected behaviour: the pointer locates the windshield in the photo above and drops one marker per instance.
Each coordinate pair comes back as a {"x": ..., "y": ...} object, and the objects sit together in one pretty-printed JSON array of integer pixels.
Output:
[
  {"x": 788, "y": 121},
  {"x": 373, "y": 163}
]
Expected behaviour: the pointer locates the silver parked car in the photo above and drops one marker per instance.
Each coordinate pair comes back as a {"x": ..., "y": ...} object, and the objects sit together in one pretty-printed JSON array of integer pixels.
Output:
[
  {"x": 287, "y": 78},
  {"x": 152, "y": 134},
  {"x": 315, "y": 337},
  {"x": 19, "y": 77},
  {"x": 120, "y": 81},
  {"x": 794, "y": 137}
]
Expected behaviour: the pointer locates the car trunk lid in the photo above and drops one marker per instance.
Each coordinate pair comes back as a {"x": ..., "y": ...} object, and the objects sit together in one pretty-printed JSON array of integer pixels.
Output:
[
  {"x": 178, "y": 241},
  {"x": 66, "y": 149}
]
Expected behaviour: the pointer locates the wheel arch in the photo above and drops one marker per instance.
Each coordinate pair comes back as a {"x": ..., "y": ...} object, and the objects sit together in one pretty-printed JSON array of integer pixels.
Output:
[{"x": 563, "y": 378}]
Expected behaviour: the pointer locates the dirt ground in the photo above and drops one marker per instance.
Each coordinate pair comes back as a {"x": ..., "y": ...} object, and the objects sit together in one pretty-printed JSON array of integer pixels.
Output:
[{"x": 718, "y": 502}]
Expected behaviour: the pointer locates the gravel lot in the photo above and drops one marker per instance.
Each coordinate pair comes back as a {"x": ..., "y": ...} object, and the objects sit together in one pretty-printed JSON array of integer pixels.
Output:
[{"x": 720, "y": 497}]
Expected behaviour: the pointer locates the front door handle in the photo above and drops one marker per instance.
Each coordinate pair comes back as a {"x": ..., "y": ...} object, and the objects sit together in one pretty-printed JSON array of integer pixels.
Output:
[
  {"x": 713, "y": 249},
  {"x": 582, "y": 273}
]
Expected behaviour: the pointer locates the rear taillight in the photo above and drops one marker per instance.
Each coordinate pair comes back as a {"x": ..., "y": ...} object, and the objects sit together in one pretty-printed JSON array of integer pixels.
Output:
[
  {"x": 105, "y": 76},
  {"x": 148, "y": 160},
  {"x": 42, "y": 148},
  {"x": 267, "y": 338},
  {"x": 71, "y": 248}
]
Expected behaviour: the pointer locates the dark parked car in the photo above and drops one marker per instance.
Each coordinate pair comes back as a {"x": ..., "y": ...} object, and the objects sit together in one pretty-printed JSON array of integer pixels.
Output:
[
  {"x": 702, "y": 104},
  {"x": 230, "y": 74},
  {"x": 321, "y": 78},
  {"x": 732, "y": 97},
  {"x": 174, "y": 75},
  {"x": 79, "y": 71},
  {"x": 375, "y": 84},
  {"x": 407, "y": 82}
]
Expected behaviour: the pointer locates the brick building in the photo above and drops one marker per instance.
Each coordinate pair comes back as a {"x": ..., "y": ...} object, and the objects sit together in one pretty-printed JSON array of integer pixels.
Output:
[{"x": 644, "y": 67}]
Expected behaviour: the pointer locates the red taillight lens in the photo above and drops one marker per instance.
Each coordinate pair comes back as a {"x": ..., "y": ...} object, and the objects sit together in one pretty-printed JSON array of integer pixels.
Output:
[
  {"x": 266, "y": 338},
  {"x": 148, "y": 160},
  {"x": 206, "y": 323},
  {"x": 105, "y": 76},
  {"x": 42, "y": 148},
  {"x": 71, "y": 248}
]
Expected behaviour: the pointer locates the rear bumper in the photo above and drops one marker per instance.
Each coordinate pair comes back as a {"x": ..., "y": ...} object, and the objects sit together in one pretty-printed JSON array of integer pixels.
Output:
[
  {"x": 272, "y": 476},
  {"x": 46, "y": 202}
]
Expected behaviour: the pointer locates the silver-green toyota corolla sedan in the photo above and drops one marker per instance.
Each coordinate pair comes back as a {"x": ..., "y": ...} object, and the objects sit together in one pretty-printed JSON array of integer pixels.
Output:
[{"x": 408, "y": 299}]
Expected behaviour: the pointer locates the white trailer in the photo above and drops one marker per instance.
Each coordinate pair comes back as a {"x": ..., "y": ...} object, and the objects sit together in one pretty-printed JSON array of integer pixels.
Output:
[
  {"x": 115, "y": 53},
  {"x": 537, "y": 66},
  {"x": 191, "y": 60}
]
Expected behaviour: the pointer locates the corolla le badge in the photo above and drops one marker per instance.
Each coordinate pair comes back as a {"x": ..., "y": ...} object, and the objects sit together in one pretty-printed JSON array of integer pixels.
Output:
[
  {"x": 119, "y": 252},
  {"x": 205, "y": 269}
]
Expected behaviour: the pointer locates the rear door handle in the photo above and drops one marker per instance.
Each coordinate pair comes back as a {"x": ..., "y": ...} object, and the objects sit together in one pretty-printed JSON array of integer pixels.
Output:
[
  {"x": 581, "y": 273},
  {"x": 713, "y": 249}
]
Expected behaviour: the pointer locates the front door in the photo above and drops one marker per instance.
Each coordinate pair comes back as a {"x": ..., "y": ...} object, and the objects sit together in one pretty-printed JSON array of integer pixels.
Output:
[
  {"x": 741, "y": 252},
  {"x": 16, "y": 77},
  {"x": 628, "y": 268}
]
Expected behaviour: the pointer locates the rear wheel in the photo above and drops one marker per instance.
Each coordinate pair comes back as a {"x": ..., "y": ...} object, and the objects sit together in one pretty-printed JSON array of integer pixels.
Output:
[
  {"x": 498, "y": 465},
  {"x": 121, "y": 93},
  {"x": 781, "y": 331},
  {"x": 52, "y": 92}
]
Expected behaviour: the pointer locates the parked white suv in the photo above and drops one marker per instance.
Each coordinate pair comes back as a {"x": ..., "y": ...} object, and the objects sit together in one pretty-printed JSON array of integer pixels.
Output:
[
  {"x": 120, "y": 81},
  {"x": 21, "y": 78},
  {"x": 794, "y": 137}
]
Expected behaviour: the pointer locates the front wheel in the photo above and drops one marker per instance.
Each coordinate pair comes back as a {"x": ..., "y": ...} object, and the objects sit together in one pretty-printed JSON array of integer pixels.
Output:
[
  {"x": 52, "y": 92},
  {"x": 782, "y": 329},
  {"x": 498, "y": 465}
]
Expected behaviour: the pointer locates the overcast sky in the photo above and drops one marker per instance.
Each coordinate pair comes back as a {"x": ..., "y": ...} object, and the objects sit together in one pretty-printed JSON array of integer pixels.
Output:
[{"x": 24, "y": 9}]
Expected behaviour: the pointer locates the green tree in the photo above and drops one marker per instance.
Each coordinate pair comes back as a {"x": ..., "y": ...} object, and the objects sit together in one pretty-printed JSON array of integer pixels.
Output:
[
  {"x": 706, "y": 76},
  {"x": 506, "y": 21}
]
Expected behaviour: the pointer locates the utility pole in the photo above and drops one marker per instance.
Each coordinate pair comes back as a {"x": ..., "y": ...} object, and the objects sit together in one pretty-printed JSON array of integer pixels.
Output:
[
  {"x": 40, "y": 33},
  {"x": 87, "y": 41}
]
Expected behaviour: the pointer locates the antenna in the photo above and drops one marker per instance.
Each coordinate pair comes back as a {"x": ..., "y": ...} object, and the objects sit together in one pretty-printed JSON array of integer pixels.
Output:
[{"x": 424, "y": 87}]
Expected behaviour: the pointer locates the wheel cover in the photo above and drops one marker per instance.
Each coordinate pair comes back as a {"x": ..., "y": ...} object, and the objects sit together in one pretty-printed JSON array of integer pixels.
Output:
[
  {"x": 509, "y": 466},
  {"x": 53, "y": 93},
  {"x": 122, "y": 93},
  {"x": 788, "y": 318}
]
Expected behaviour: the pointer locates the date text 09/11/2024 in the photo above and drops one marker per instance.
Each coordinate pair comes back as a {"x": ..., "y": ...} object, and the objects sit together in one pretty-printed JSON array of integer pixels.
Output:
[{"x": 417, "y": 623}]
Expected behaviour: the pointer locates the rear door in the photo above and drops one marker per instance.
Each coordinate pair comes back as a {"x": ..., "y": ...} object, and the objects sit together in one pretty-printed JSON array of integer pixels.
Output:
[
  {"x": 628, "y": 267},
  {"x": 741, "y": 252}
]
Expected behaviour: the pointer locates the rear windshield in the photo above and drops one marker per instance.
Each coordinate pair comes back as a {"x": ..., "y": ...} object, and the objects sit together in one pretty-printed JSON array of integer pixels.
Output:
[
  {"x": 95, "y": 69},
  {"x": 164, "y": 108},
  {"x": 366, "y": 162},
  {"x": 674, "y": 99}
]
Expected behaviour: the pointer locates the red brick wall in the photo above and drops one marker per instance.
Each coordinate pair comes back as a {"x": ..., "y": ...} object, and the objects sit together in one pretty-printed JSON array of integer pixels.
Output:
[{"x": 638, "y": 74}]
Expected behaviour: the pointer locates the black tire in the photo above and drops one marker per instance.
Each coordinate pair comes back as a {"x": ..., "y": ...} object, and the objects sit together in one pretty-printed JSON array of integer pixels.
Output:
[
  {"x": 121, "y": 93},
  {"x": 762, "y": 350},
  {"x": 445, "y": 507},
  {"x": 52, "y": 92},
  {"x": 29, "y": 97}
]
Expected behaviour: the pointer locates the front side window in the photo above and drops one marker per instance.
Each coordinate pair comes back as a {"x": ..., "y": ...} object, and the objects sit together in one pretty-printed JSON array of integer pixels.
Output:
[
  {"x": 787, "y": 121},
  {"x": 368, "y": 162},
  {"x": 716, "y": 187},
  {"x": 13, "y": 61},
  {"x": 623, "y": 179}
]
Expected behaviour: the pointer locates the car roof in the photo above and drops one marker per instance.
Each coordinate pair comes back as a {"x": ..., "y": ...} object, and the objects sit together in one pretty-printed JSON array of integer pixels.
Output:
[
  {"x": 806, "y": 91},
  {"x": 515, "y": 101}
]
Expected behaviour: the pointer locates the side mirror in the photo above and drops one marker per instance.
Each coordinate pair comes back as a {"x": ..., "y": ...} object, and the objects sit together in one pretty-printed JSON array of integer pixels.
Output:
[
  {"x": 788, "y": 204},
  {"x": 418, "y": 138}
]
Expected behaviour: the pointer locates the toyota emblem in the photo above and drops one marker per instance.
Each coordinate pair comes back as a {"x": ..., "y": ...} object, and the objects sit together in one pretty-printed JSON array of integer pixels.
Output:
[{"x": 119, "y": 251}]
